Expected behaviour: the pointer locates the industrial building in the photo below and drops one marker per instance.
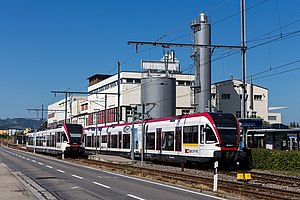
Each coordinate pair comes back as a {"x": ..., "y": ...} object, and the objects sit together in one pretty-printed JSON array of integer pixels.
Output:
[
  {"x": 161, "y": 90},
  {"x": 66, "y": 110},
  {"x": 225, "y": 97}
]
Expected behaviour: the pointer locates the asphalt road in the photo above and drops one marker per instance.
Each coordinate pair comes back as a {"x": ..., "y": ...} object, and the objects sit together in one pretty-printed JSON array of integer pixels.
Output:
[{"x": 70, "y": 181}]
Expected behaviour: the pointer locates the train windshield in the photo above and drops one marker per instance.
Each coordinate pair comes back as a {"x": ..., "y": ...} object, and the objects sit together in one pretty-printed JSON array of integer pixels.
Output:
[
  {"x": 227, "y": 128},
  {"x": 75, "y": 132}
]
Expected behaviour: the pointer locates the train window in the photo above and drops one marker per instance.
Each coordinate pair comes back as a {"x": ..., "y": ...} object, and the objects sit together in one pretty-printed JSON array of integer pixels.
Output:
[
  {"x": 158, "y": 140},
  {"x": 104, "y": 139},
  {"x": 114, "y": 141},
  {"x": 190, "y": 134},
  {"x": 150, "y": 141},
  {"x": 120, "y": 139},
  {"x": 65, "y": 139},
  {"x": 58, "y": 136},
  {"x": 178, "y": 138},
  {"x": 48, "y": 140},
  {"x": 89, "y": 141},
  {"x": 126, "y": 141},
  {"x": 108, "y": 140},
  {"x": 53, "y": 141},
  {"x": 210, "y": 135},
  {"x": 202, "y": 130},
  {"x": 168, "y": 140}
]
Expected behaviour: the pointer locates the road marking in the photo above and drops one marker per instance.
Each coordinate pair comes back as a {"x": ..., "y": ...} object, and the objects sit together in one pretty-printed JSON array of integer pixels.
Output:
[
  {"x": 23, "y": 157},
  {"x": 61, "y": 171},
  {"x": 40, "y": 163},
  {"x": 131, "y": 195},
  {"x": 77, "y": 176},
  {"x": 27, "y": 159},
  {"x": 49, "y": 166},
  {"x": 33, "y": 161},
  {"x": 101, "y": 185},
  {"x": 164, "y": 185}
]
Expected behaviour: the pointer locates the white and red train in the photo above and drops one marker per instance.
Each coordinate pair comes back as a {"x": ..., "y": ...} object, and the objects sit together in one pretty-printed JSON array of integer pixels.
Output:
[
  {"x": 66, "y": 139},
  {"x": 199, "y": 137}
]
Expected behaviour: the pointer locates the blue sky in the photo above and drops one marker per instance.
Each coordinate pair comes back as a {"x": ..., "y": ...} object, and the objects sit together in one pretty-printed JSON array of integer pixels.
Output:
[{"x": 50, "y": 45}]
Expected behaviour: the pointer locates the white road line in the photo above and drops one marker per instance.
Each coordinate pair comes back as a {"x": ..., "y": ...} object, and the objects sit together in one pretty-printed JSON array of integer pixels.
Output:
[
  {"x": 61, "y": 171},
  {"x": 101, "y": 185},
  {"x": 40, "y": 163},
  {"x": 131, "y": 195},
  {"x": 27, "y": 159},
  {"x": 77, "y": 176},
  {"x": 164, "y": 185},
  {"x": 33, "y": 161},
  {"x": 49, "y": 166},
  {"x": 23, "y": 157}
]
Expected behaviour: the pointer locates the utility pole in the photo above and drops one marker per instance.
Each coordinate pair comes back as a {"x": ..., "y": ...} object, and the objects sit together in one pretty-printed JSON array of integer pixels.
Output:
[
  {"x": 66, "y": 109},
  {"x": 96, "y": 132},
  {"x": 132, "y": 133},
  {"x": 119, "y": 81},
  {"x": 43, "y": 114},
  {"x": 44, "y": 110},
  {"x": 143, "y": 134},
  {"x": 66, "y": 93},
  {"x": 243, "y": 37},
  {"x": 105, "y": 108},
  {"x": 244, "y": 92}
]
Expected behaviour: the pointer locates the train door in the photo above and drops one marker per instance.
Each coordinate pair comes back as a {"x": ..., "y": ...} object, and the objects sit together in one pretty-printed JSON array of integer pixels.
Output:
[
  {"x": 158, "y": 140},
  {"x": 202, "y": 139},
  {"x": 178, "y": 139}
]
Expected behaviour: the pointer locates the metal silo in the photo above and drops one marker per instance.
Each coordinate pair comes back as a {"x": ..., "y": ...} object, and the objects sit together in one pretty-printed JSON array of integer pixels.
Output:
[
  {"x": 162, "y": 92},
  {"x": 202, "y": 63}
]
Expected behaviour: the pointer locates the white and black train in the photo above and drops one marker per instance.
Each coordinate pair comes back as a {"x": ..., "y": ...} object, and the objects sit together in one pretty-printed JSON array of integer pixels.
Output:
[
  {"x": 199, "y": 137},
  {"x": 66, "y": 139}
]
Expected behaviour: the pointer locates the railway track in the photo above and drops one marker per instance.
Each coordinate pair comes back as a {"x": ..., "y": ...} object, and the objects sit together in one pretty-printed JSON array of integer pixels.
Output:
[
  {"x": 242, "y": 190},
  {"x": 266, "y": 178}
]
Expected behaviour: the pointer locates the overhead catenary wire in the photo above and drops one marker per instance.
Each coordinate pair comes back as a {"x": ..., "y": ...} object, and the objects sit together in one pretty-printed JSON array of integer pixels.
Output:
[{"x": 188, "y": 65}]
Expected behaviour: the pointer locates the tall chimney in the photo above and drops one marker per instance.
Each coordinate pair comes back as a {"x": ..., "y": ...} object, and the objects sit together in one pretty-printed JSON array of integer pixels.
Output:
[{"x": 202, "y": 63}]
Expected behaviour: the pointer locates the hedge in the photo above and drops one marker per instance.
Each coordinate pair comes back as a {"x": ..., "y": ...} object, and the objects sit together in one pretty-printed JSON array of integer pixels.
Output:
[{"x": 267, "y": 159}]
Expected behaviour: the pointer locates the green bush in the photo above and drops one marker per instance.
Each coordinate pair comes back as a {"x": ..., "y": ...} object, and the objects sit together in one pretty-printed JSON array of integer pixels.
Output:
[{"x": 267, "y": 159}]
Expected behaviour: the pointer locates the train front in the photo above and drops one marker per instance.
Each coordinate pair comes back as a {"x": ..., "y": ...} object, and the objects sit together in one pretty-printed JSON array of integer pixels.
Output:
[
  {"x": 228, "y": 132},
  {"x": 74, "y": 134}
]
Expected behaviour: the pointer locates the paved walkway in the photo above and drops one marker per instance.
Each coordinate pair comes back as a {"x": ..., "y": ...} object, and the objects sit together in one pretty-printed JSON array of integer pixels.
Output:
[{"x": 11, "y": 187}]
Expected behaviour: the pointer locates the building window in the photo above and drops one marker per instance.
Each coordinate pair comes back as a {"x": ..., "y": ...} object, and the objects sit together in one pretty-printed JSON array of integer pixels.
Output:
[
  {"x": 185, "y": 112},
  {"x": 225, "y": 96},
  {"x": 254, "y": 114},
  {"x": 181, "y": 82},
  {"x": 272, "y": 118},
  {"x": 129, "y": 80},
  {"x": 258, "y": 97}
]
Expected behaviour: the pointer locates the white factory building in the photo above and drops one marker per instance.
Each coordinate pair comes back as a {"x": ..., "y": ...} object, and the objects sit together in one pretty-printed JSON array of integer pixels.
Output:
[
  {"x": 57, "y": 111},
  {"x": 225, "y": 97}
]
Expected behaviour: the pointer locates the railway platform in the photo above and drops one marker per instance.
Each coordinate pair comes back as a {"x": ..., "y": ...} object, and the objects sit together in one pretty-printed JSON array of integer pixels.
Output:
[
  {"x": 111, "y": 159},
  {"x": 12, "y": 188}
]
